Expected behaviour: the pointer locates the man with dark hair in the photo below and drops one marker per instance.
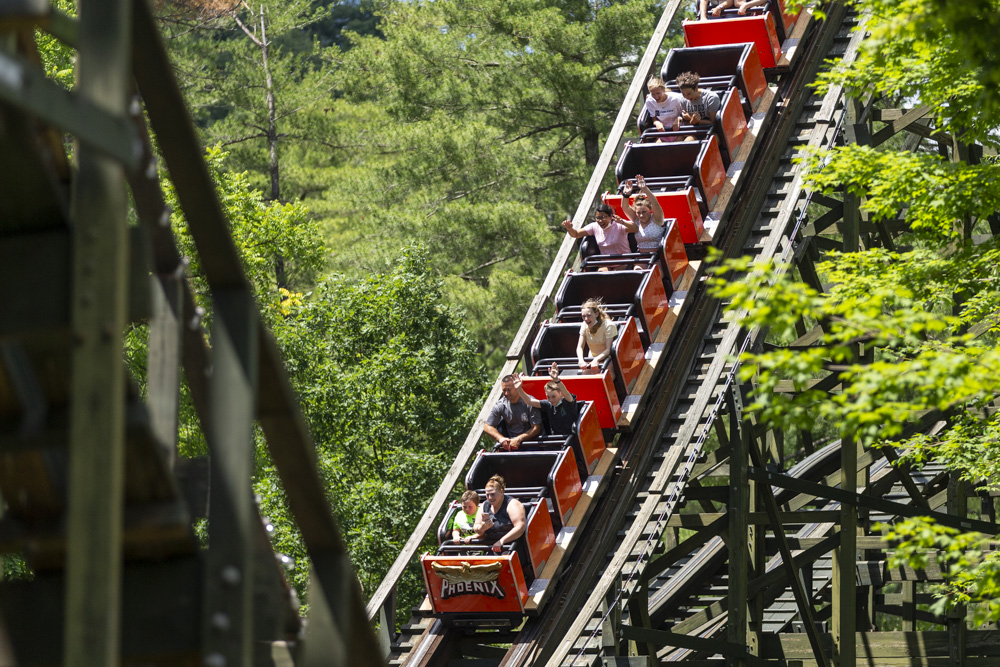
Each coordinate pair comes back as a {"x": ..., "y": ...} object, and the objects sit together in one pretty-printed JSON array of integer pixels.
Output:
[
  {"x": 521, "y": 421},
  {"x": 699, "y": 105}
]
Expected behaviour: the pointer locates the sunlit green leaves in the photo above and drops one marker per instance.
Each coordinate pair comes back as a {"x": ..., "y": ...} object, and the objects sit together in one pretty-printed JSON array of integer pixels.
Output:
[
  {"x": 933, "y": 52},
  {"x": 970, "y": 565},
  {"x": 934, "y": 195}
]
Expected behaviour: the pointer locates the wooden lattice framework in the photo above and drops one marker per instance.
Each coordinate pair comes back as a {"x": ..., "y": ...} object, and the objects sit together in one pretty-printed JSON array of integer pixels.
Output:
[{"x": 95, "y": 498}]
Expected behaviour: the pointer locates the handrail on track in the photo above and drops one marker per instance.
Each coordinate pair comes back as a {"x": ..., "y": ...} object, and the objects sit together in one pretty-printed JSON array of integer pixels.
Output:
[{"x": 545, "y": 293}]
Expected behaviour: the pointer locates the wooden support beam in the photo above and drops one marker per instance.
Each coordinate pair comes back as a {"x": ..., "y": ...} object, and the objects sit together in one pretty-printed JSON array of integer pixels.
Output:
[
  {"x": 149, "y": 631},
  {"x": 100, "y": 126},
  {"x": 713, "y": 462},
  {"x": 825, "y": 221},
  {"x": 754, "y": 518},
  {"x": 872, "y": 503},
  {"x": 893, "y": 648},
  {"x": 957, "y": 630},
  {"x": 288, "y": 438},
  {"x": 899, "y": 124},
  {"x": 638, "y": 610},
  {"x": 739, "y": 529},
  {"x": 802, "y": 597},
  {"x": 228, "y": 620},
  {"x": 164, "y": 361},
  {"x": 827, "y": 201},
  {"x": 802, "y": 559},
  {"x": 909, "y": 613},
  {"x": 844, "y": 622},
  {"x": 97, "y": 379},
  {"x": 695, "y": 621},
  {"x": 611, "y": 612},
  {"x": 665, "y": 638},
  {"x": 902, "y": 471},
  {"x": 696, "y": 492},
  {"x": 671, "y": 556}
]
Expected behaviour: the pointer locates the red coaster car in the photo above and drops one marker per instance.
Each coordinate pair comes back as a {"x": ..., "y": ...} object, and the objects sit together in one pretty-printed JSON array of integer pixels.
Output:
[
  {"x": 758, "y": 30},
  {"x": 679, "y": 203},
  {"x": 531, "y": 476},
  {"x": 721, "y": 62},
  {"x": 644, "y": 289},
  {"x": 471, "y": 585},
  {"x": 667, "y": 166},
  {"x": 607, "y": 388},
  {"x": 670, "y": 259},
  {"x": 586, "y": 440}
]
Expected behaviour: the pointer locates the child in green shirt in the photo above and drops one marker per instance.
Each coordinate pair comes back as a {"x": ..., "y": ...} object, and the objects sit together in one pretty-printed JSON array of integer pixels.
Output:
[{"x": 462, "y": 522}]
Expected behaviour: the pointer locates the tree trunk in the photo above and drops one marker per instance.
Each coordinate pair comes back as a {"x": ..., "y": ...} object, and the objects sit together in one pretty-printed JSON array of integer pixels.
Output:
[
  {"x": 272, "y": 125},
  {"x": 591, "y": 147},
  {"x": 272, "y": 142}
]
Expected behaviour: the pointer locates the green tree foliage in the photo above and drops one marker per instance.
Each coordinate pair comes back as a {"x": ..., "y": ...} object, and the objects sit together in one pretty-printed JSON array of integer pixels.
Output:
[
  {"x": 389, "y": 382},
  {"x": 489, "y": 118},
  {"x": 927, "y": 310},
  {"x": 467, "y": 127},
  {"x": 56, "y": 57},
  {"x": 257, "y": 81},
  {"x": 968, "y": 560},
  {"x": 385, "y": 369}
]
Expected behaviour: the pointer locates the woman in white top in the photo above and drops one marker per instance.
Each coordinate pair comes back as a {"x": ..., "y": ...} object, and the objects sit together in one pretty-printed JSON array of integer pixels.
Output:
[
  {"x": 596, "y": 335},
  {"x": 647, "y": 214}
]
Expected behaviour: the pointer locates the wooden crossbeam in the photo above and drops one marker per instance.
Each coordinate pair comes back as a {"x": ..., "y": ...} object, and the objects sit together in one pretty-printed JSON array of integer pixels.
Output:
[
  {"x": 667, "y": 638},
  {"x": 870, "y": 502},
  {"x": 287, "y": 434}
]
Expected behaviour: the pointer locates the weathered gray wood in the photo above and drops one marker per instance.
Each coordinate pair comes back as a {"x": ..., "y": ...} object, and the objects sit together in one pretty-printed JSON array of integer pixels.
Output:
[
  {"x": 288, "y": 438},
  {"x": 98, "y": 315},
  {"x": 633, "y": 661},
  {"x": 908, "y": 645},
  {"x": 228, "y": 618},
  {"x": 899, "y": 123},
  {"x": 803, "y": 599},
  {"x": 801, "y": 560},
  {"x": 41, "y": 260},
  {"x": 876, "y": 504},
  {"x": 611, "y": 613},
  {"x": 739, "y": 528},
  {"x": 909, "y": 614},
  {"x": 878, "y": 572},
  {"x": 164, "y": 362},
  {"x": 957, "y": 630},
  {"x": 755, "y": 518},
  {"x": 665, "y": 638},
  {"x": 324, "y": 644},
  {"x": 149, "y": 631},
  {"x": 100, "y": 126},
  {"x": 844, "y": 586}
]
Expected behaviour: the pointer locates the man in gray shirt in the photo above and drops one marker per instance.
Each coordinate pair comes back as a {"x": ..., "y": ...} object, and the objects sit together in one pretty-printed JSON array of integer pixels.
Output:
[
  {"x": 522, "y": 421},
  {"x": 699, "y": 105}
]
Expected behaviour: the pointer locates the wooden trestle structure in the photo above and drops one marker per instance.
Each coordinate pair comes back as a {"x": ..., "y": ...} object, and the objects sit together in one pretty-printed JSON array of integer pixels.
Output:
[
  {"x": 782, "y": 566},
  {"x": 94, "y": 496},
  {"x": 778, "y": 564}
]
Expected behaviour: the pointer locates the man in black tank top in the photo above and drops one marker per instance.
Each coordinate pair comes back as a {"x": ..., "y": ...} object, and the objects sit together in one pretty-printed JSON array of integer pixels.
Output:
[{"x": 501, "y": 519}]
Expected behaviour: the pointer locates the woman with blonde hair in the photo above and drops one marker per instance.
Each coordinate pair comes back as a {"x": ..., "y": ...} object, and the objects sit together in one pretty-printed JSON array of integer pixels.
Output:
[
  {"x": 501, "y": 519},
  {"x": 596, "y": 334},
  {"x": 647, "y": 214}
]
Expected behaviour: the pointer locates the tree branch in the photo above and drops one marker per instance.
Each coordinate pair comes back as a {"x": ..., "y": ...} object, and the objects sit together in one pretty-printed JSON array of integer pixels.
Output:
[
  {"x": 468, "y": 274},
  {"x": 243, "y": 26},
  {"x": 537, "y": 130}
]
